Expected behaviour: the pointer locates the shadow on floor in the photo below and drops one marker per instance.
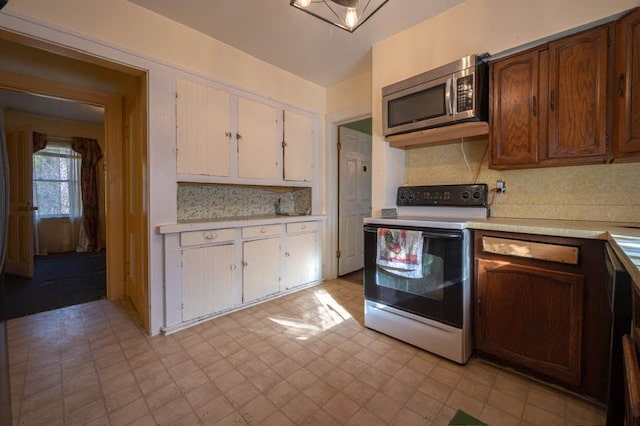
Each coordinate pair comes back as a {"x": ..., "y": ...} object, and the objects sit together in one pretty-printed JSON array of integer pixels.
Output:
[
  {"x": 59, "y": 279},
  {"x": 354, "y": 277}
]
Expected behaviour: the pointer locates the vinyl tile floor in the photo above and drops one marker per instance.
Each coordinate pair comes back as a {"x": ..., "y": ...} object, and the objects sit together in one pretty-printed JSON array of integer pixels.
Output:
[{"x": 302, "y": 359}]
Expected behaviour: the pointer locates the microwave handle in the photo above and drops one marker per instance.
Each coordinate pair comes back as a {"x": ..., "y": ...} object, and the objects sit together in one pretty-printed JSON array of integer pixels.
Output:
[{"x": 448, "y": 96}]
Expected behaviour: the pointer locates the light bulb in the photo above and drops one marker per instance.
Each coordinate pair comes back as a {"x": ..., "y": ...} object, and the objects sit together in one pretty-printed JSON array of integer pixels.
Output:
[
  {"x": 352, "y": 18},
  {"x": 304, "y": 3}
]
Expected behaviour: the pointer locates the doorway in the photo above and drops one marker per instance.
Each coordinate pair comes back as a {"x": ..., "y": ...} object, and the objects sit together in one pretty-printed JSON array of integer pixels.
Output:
[
  {"x": 69, "y": 75},
  {"x": 63, "y": 266},
  {"x": 354, "y": 193}
]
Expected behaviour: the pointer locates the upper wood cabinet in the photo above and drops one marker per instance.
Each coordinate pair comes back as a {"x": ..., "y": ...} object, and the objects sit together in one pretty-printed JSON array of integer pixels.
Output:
[
  {"x": 203, "y": 129},
  {"x": 627, "y": 88},
  {"x": 577, "y": 96},
  {"x": 514, "y": 110},
  {"x": 548, "y": 104},
  {"x": 222, "y": 137}
]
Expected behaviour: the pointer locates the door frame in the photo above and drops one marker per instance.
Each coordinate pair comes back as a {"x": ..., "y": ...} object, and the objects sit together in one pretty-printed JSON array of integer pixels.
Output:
[
  {"x": 114, "y": 190},
  {"x": 332, "y": 122}
]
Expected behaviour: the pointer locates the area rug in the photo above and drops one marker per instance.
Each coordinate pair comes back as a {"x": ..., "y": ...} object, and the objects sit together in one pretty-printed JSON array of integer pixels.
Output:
[{"x": 462, "y": 418}]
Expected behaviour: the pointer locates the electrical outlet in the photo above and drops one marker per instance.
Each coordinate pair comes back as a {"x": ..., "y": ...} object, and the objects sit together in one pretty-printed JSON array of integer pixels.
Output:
[{"x": 501, "y": 187}]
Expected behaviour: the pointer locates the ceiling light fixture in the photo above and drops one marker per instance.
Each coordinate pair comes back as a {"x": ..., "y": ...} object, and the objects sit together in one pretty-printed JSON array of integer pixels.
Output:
[{"x": 346, "y": 14}]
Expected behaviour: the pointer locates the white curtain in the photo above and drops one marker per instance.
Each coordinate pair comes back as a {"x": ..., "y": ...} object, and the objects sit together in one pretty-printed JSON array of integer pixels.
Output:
[{"x": 56, "y": 192}]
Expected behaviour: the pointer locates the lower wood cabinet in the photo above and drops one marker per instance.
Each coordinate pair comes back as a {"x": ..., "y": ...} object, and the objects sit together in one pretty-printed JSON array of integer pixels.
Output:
[
  {"x": 208, "y": 276},
  {"x": 531, "y": 316},
  {"x": 260, "y": 268},
  {"x": 541, "y": 307}
]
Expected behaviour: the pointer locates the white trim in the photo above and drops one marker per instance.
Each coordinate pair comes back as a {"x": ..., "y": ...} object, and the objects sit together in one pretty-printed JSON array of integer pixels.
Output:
[{"x": 332, "y": 122}]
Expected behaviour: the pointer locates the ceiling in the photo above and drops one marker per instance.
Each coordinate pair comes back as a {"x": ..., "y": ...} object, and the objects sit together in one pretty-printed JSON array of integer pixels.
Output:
[
  {"x": 275, "y": 32},
  {"x": 43, "y": 105}
]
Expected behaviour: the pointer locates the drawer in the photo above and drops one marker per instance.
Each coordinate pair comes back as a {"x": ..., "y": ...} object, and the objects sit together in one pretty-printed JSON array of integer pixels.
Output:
[
  {"x": 260, "y": 231},
  {"x": 302, "y": 227},
  {"x": 533, "y": 250},
  {"x": 210, "y": 236}
]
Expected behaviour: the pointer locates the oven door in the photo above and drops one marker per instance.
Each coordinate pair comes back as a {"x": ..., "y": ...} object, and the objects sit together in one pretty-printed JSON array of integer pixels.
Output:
[{"x": 438, "y": 293}]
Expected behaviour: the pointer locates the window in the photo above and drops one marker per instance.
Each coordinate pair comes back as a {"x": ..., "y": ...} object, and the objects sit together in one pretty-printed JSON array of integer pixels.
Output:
[{"x": 56, "y": 181}]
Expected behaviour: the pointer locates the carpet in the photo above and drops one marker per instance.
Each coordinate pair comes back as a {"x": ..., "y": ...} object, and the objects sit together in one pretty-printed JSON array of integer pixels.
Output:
[
  {"x": 59, "y": 280},
  {"x": 462, "y": 418}
]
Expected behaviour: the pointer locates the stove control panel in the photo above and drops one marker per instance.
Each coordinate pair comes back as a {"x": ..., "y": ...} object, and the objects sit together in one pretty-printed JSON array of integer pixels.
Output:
[{"x": 474, "y": 195}]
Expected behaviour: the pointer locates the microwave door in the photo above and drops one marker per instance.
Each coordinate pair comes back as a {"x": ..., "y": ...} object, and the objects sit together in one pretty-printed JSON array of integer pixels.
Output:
[{"x": 428, "y": 104}]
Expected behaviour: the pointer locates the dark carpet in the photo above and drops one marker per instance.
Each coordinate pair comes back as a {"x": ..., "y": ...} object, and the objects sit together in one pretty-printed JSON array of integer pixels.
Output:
[{"x": 59, "y": 279}]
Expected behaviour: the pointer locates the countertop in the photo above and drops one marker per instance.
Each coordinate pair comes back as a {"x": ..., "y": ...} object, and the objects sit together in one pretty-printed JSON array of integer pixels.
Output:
[
  {"x": 624, "y": 238},
  {"x": 235, "y": 222}
]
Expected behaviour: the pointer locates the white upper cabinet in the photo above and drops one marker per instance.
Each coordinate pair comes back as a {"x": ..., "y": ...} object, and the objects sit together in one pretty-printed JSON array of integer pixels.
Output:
[
  {"x": 204, "y": 129},
  {"x": 223, "y": 137},
  {"x": 259, "y": 144},
  {"x": 298, "y": 147}
]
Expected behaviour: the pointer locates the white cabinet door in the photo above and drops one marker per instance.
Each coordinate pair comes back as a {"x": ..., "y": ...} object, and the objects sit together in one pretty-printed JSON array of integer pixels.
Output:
[
  {"x": 261, "y": 271},
  {"x": 208, "y": 276},
  {"x": 259, "y": 147},
  {"x": 301, "y": 260},
  {"x": 203, "y": 133},
  {"x": 298, "y": 147}
]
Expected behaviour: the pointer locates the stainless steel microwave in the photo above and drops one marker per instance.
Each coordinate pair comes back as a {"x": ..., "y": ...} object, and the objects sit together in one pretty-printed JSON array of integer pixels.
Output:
[{"x": 449, "y": 94}]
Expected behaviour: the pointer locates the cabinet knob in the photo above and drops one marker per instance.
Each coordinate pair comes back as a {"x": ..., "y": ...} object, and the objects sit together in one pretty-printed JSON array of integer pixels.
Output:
[
  {"x": 287, "y": 254},
  {"x": 303, "y": 227},
  {"x": 238, "y": 136},
  {"x": 228, "y": 134},
  {"x": 244, "y": 263},
  {"x": 233, "y": 266},
  {"x": 210, "y": 236},
  {"x": 263, "y": 230}
]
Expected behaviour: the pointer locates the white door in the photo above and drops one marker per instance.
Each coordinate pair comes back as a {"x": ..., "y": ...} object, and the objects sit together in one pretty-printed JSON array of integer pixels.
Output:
[
  {"x": 261, "y": 268},
  {"x": 20, "y": 242},
  {"x": 203, "y": 133},
  {"x": 354, "y": 197},
  {"x": 259, "y": 141},
  {"x": 298, "y": 144},
  {"x": 300, "y": 260},
  {"x": 207, "y": 280}
]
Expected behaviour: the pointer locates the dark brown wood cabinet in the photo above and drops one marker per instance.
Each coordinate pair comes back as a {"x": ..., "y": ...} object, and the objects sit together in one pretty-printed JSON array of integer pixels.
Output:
[
  {"x": 542, "y": 308},
  {"x": 549, "y": 104},
  {"x": 626, "y": 140},
  {"x": 531, "y": 316},
  {"x": 514, "y": 110},
  {"x": 577, "y": 94}
]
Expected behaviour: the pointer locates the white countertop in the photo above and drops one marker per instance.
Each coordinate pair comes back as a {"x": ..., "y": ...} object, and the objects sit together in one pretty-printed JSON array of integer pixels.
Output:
[
  {"x": 235, "y": 222},
  {"x": 624, "y": 238}
]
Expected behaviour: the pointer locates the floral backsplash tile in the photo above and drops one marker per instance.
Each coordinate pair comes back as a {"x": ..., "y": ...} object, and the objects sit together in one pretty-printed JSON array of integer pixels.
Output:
[{"x": 200, "y": 201}]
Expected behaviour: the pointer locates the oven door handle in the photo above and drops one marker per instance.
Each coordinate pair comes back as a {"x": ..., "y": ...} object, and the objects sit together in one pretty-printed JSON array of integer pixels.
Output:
[{"x": 425, "y": 234}]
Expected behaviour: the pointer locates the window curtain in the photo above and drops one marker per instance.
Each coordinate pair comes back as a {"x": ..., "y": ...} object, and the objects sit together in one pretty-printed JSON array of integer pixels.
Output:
[{"x": 91, "y": 153}]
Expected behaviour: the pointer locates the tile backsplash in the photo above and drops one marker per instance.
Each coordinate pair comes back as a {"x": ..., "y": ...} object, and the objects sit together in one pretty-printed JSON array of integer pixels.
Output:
[{"x": 204, "y": 201}]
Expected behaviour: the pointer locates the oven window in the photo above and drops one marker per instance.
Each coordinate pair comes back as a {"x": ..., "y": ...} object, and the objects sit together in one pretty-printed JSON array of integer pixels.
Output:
[
  {"x": 423, "y": 105},
  {"x": 431, "y": 285}
]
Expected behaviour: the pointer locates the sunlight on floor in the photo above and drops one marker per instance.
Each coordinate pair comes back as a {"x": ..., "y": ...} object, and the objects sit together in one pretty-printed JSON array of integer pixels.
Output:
[{"x": 329, "y": 313}]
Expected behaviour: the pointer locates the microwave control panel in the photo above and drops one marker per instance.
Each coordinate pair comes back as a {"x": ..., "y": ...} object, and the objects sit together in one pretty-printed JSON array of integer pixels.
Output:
[
  {"x": 474, "y": 195},
  {"x": 464, "y": 93}
]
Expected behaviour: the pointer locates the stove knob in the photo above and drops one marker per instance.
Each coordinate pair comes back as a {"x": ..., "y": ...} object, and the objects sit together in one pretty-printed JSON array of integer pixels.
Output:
[
  {"x": 466, "y": 195},
  {"x": 411, "y": 196},
  {"x": 402, "y": 196},
  {"x": 477, "y": 195}
]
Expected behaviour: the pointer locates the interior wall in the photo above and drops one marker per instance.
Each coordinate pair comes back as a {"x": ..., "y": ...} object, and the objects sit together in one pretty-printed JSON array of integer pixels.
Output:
[
  {"x": 349, "y": 93},
  {"x": 595, "y": 192},
  {"x": 67, "y": 129}
]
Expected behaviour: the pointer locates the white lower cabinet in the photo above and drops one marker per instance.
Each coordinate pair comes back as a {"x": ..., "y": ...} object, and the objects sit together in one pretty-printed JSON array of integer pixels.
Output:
[
  {"x": 208, "y": 277},
  {"x": 261, "y": 268},
  {"x": 301, "y": 264}
]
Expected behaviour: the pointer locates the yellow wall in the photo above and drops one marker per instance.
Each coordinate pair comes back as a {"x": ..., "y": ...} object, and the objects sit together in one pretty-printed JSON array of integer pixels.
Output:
[
  {"x": 597, "y": 192},
  {"x": 349, "y": 93},
  {"x": 66, "y": 128},
  {"x": 123, "y": 23}
]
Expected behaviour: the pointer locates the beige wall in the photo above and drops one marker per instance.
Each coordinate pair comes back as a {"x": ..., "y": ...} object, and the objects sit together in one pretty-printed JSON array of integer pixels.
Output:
[
  {"x": 67, "y": 129},
  {"x": 123, "y": 23},
  {"x": 597, "y": 192},
  {"x": 349, "y": 93}
]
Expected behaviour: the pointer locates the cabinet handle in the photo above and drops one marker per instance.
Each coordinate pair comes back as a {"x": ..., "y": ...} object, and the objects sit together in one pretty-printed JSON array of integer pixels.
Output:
[
  {"x": 244, "y": 263},
  {"x": 210, "y": 236},
  {"x": 621, "y": 86},
  {"x": 479, "y": 306},
  {"x": 553, "y": 100},
  {"x": 233, "y": 266},
  {"x": 263, "y": 230},
  {"x": 228, "y": 134},
  {"x": 238, "y": 136},
  {"x": 287, "y": 254},
  {"x": 534, "y": 106},
  {"x": 303, "y": 227}
]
